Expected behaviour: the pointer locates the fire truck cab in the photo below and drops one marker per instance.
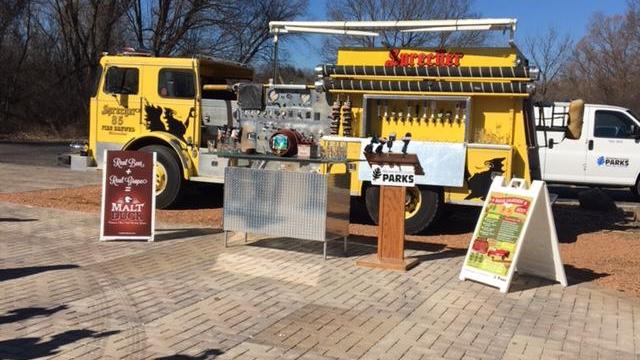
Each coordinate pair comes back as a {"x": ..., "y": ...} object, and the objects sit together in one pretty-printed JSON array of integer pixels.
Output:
[{"x": 159, "y": 104}]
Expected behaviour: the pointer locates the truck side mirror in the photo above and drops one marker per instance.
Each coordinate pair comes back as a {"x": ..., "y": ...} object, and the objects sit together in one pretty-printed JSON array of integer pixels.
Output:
[
  {"x": 550, "y": 144},
  {"x": 574, "y": 125},
  {"x": 636, "y": 132}
]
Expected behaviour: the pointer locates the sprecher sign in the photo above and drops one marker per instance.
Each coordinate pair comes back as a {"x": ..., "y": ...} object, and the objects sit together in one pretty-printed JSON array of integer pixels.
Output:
[{"x": 393, "y": 175}]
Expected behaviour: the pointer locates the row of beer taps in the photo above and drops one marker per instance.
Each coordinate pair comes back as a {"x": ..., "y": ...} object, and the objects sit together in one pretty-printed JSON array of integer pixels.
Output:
[{"x": 425, "y": 112}]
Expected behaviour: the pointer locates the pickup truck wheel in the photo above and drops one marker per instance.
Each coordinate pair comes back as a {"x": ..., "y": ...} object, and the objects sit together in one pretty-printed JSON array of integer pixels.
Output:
[
  {"x": 636, "y": 189},
  {"x": 168, "y": 176},
  {"x": 422, "y": 205}
]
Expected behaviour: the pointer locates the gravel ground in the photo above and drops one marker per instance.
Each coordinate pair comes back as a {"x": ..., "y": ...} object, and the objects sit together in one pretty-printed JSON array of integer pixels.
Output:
[{"x": 595, "y": 246}]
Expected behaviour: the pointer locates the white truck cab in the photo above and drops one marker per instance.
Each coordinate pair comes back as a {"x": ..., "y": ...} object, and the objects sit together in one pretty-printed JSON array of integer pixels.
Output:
[{"x": 607, "y": 153}]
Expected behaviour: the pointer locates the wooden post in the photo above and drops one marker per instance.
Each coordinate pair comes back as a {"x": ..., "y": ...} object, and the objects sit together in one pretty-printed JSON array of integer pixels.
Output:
[{"x": 390, "y": 232}]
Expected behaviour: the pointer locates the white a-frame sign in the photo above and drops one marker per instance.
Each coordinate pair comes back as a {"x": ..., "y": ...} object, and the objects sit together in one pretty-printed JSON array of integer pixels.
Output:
[{"x": 515, "y": 232}]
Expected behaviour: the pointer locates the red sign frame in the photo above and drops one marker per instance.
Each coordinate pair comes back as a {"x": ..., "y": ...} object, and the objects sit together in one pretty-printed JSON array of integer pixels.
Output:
[{"x": 128, "y": 195}]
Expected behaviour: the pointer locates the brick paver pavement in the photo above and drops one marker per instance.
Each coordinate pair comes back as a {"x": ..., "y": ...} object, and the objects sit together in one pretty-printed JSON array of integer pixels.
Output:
[{"x": 65, "y": 295}]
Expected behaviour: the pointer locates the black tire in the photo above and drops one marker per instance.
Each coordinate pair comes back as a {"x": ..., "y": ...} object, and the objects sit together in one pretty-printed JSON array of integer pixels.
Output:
[
  {"x": 636, "y": 189},
  {"x": 167, "y": 158},
  {"x": 430, "y": 207}
]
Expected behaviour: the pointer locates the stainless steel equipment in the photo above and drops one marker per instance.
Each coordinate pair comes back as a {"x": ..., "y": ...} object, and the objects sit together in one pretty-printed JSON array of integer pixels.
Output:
[{"x": 305, "y": 205}]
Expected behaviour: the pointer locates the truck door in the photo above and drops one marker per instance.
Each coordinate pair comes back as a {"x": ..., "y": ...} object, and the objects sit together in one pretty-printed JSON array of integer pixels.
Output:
[
  {"x": 119, "y": 108},
  {"x": 564, "y": 159},
  {"x": 170, "y": 103},
  {"x": 612, "y": 156}
]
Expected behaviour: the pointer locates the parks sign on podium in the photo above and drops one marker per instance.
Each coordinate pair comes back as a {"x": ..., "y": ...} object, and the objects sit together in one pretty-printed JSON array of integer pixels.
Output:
[{"x": 397, "y": 175}]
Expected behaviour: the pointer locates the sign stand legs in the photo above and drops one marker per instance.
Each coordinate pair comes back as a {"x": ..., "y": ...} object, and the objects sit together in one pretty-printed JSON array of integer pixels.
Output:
[{"x": 390, "y": 254}]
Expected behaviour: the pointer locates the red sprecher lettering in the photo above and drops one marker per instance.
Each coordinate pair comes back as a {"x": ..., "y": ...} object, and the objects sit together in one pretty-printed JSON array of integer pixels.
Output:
[{"x": 438, "y": 58}]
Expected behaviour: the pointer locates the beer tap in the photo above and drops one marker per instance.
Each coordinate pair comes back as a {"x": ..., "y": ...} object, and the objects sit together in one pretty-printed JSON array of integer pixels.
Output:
[
  {"x": 406, "y": 139},
  {"x": 392, "y": 138},
  {"x": 424, "y": 111},
  {"x": 408, "y": 116},
  {"x": 432, "y": 116},
  {"x": 382, "y": 141},
  {"x": 385, "y": 116},
  {"x": 369, "y": 148}
]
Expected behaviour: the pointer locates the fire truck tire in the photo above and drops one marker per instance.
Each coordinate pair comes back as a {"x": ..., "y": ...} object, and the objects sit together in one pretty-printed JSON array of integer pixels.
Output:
[
  {"x": 168, "y": 176},
  {"x": 418, "y": 218}
]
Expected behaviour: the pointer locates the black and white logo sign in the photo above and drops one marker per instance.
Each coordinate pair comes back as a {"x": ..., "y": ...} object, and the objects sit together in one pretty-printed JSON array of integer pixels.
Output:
[
  {"x": 393, "y": 175},
  {"x": 612, "y": 162}
]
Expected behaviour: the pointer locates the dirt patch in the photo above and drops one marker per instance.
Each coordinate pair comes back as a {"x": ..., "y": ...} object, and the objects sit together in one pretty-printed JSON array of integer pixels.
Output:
[{"x": 595, "y": 246}]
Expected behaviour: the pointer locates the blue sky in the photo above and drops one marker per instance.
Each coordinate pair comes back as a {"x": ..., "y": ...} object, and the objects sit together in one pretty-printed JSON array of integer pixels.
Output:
[{"x": 534, "y": 17}]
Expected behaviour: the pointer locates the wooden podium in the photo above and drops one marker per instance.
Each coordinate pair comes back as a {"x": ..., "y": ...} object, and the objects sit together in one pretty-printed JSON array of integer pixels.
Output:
[{"x": 390, "y": 253}]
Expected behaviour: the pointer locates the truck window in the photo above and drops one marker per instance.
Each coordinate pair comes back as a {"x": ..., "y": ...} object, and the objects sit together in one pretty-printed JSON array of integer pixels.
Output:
[
  {"x": 176, "y": 83},
  {"x": 613, "y": 124},
  {"x": 121, "y": 80}
]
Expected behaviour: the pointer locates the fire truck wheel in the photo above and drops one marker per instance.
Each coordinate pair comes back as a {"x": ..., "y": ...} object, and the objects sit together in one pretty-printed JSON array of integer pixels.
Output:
[
  {"x": 422, "y": 206},
  {"x": 168, "y": 176}
]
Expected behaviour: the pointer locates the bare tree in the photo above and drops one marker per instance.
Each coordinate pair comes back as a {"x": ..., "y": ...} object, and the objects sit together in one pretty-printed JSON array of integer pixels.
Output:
[
  {"x": 550, "y": 52},
  {"x": 247, "y": 32},
  {"x": 379, "y": 10},
  {"x": 50, "y": 49},
  {"x": 167, "y": 26},
  {"x": 16, "y": 32},
  {"x": 606, "y": 62}
]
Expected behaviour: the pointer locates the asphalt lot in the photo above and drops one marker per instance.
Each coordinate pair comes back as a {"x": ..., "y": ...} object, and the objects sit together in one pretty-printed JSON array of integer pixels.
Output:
[
  {"x": 29, "y": 167},
  {"x": 39, "y": 154}
]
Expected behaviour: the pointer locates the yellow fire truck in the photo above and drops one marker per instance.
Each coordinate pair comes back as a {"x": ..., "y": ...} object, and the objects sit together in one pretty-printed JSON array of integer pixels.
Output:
[{"x": 467, "y": 111}]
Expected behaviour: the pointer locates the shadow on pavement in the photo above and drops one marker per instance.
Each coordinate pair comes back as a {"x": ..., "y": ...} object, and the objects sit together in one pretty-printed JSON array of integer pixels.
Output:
[
  {"x": 174, "y": 234},
  {"x": 207, "y": 354},
  {"x": 14, "y": 273},
  {"x": 579, "y": 275},
  {"x": 526, "y": 282},
  {"x": 200, "y": 196},
  {"x": 30, "y": 312},
  {"x": 445, "y": 254},
  {"x": 334, "y": 247},
  {"x": 572, "y": 221},
  {"x": 33, "y": 347},
  {"x": 571, "y": 192},
  {"x": 16, "y": 220},
  {"x": 357, "y": 246},
  {"x": 575, "y": 276}
]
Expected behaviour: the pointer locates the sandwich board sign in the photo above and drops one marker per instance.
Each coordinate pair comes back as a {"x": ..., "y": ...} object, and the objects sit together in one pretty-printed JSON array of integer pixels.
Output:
[
  {"x": 128, "y": 196},
  {"x": 515, "y": 232}
]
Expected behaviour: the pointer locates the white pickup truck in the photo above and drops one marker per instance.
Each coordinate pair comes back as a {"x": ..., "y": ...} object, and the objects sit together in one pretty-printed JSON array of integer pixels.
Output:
[{"x": 607, "y": 153}]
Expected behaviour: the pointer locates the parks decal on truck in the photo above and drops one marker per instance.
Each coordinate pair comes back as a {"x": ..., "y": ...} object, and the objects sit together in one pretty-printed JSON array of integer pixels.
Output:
[{"x": 612, "y": 162}]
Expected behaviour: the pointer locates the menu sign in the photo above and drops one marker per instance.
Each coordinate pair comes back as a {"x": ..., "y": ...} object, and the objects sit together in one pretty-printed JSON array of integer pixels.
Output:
[
  {"x": 515, "y": 231},
  {"x": 494, "y": 247},
  {"x": 128, "y": 195}
]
